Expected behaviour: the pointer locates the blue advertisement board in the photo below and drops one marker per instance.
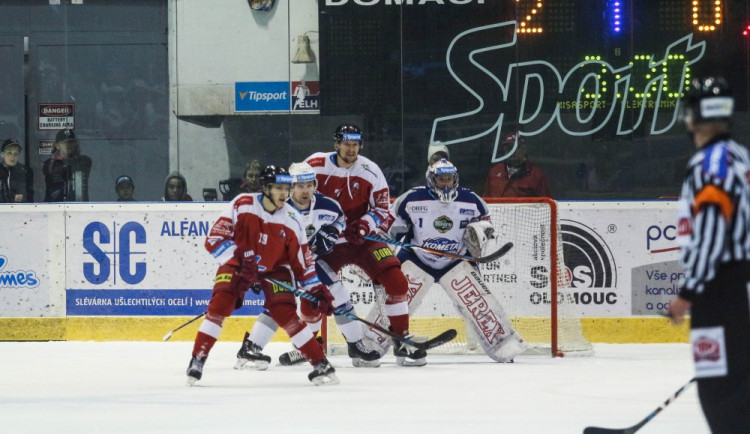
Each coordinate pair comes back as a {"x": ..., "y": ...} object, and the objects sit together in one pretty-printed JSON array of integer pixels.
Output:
[
  {"x": 149, "y": 302},
  {"x": 261, "y": 96}
]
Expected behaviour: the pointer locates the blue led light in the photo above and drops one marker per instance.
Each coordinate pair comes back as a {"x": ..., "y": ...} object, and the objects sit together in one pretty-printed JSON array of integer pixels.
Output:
[{"x": 614, "y": 9}]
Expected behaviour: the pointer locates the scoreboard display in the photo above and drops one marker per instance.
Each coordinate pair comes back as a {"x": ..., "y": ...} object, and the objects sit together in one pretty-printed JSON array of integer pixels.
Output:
[
  {"x": 598, "y": 75},
  {"x": 381, "y": 56}
]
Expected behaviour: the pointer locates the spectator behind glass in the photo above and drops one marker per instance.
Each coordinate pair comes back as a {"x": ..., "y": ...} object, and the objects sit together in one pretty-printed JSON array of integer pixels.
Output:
[
  {"x": 66, "y": 172},
  {"x": 125, "y": 189},
  {"x": 175, "y": 188},
  {"x": 19, "y": 180},
  {"x": 251, "y": 179},
  {"x": 517, "y": 176},
  {"x": 436, "y": 152},
  {"x": 608, "y": 174}
]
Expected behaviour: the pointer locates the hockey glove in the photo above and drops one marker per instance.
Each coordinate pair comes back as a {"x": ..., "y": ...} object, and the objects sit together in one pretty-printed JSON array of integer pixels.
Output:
[
  {"x": 324, "y": 305},
  {"x": 355, "y": 234},
  {"x": 324, "y": 240},
  {"x": 246, "y": 275}
]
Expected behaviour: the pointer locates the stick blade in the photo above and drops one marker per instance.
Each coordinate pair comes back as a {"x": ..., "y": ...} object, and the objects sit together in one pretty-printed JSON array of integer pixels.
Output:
[
  {"x": 442, "y": 338},
  {"x": 166, "y": 337},
  {"x": 496, "y": 255},
  {"x": 598, "y": 430}
]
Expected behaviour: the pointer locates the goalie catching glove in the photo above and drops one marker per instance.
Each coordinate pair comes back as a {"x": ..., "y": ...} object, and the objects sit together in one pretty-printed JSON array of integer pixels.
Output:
[
  {"x": 476, "y": 237},
  {"x": 325, "y": 240}
]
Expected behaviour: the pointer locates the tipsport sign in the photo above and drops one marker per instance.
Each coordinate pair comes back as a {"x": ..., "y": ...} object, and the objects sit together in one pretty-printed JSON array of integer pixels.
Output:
[{"x": 651, "y": 102}]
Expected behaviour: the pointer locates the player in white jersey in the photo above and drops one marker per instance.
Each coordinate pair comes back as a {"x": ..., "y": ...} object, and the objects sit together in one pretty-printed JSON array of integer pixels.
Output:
[
  {"x": 443, "y": 216},
  {"x": 324, "y": 221}
]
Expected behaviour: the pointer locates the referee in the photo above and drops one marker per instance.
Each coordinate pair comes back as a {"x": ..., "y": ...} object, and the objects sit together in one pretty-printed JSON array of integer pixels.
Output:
[{"x": 714, "y": 239}]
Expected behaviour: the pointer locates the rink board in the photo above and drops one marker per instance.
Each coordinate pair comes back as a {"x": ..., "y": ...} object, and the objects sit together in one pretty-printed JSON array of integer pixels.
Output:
[{"x": 137, "y": 271}]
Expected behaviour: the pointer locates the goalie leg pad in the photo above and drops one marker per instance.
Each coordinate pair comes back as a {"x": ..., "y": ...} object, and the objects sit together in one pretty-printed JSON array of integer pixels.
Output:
[{"x": 481, "y": 310}]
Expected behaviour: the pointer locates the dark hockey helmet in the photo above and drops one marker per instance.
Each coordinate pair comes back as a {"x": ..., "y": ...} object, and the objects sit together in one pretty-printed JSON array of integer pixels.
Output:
[
  {"x": 348, "y": 132},
  {"x": 274, "y": 175},
  {"x": 708, "y": 99}
]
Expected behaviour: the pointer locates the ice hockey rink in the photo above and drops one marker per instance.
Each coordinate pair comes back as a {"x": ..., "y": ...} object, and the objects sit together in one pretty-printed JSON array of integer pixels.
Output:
[{"x": 139, "y": 387}]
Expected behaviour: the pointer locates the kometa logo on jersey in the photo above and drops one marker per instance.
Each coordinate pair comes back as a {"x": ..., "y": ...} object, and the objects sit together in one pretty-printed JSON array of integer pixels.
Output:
[
  {"x": 442, "y": 244},
  {"x": 589, "y": 262},
  {"x": 443, "y": 224}
]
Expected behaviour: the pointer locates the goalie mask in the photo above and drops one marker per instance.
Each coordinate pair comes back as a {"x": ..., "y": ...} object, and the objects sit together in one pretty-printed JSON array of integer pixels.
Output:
[
  {"x": 442, "y": 180},
  {"x": 302, "y": 172}
]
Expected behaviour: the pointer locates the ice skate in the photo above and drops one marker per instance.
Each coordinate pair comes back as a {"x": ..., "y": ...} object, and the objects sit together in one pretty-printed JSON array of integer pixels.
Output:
[
  {"x": 295, "y": 357},
  {"x": 363, "y": 356},
  {"x": 195, "y": 369},
  {"x": 251, "y": 357},
  {"x": 323, "y": 374},
  {"x": 407, "y": 355}
]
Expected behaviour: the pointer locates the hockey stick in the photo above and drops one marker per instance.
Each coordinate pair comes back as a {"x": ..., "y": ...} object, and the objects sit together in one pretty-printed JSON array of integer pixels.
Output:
[
  {"x": 639, "y": 425},
  {"x": 438, "y": 340},
  {"x": 169, "y": 335},
  {"x": 482, "y": 260}
]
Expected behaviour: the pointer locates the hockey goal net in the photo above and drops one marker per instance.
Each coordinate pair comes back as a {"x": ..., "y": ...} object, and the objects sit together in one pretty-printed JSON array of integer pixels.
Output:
[{"x": 525, "y": 281}]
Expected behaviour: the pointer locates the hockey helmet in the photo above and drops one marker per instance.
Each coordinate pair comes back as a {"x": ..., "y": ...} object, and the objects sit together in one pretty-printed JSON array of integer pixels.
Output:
[
  {"x": 442, "y": 167},
  {"x": 302, "y": 172},
  {"x": 708, "y": 99},
  {"x": 274, "y": 175},
  {"x": 348, "y": 132}
]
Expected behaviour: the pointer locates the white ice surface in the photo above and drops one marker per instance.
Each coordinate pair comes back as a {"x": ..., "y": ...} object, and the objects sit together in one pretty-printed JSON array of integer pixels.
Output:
[{"x": 139, "y": 387}]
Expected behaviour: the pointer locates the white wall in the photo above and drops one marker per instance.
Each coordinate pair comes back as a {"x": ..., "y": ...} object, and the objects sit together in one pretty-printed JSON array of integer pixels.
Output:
[{"x": 212, "y": 45}]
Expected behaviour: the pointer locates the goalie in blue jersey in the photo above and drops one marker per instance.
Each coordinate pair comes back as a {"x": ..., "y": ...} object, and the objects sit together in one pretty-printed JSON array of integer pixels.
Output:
[{"x": 443, "y": 216}]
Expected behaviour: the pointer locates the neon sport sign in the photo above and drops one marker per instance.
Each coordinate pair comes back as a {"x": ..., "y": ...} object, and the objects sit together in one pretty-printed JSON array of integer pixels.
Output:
[{"x": 589, "y": 74}]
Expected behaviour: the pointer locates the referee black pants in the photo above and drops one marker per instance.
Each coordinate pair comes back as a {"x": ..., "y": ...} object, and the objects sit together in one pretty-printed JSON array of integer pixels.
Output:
[{"x": 724, "y": 302}]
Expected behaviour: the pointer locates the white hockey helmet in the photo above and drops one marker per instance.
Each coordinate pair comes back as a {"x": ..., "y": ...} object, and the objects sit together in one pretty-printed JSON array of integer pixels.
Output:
[
  {"x": 442, "y": 167},
  {"x": 302, "y": 172}
]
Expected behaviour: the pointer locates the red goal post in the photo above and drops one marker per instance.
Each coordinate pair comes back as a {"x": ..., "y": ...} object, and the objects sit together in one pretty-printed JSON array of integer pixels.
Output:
[
  {"x": 533, "y": 225},
  {"x": 525, "y": 281}
]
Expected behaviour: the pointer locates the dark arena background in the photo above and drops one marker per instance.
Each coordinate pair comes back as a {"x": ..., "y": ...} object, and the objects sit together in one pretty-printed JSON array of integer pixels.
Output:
[{"x": 591, "y": 84}]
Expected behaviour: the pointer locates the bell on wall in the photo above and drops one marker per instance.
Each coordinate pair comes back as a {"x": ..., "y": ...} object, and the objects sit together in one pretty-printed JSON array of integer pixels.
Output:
[
  {"x": 261, "y": 5},
  {"x": 304, "y": 52}
]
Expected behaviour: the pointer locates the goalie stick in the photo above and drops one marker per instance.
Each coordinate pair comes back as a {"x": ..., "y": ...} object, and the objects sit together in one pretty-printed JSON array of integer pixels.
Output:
[
  {"x": 482, "y": 259},
  {"x": 169, "y": 335},
  {"x": 639, "y": 425},
  {"x": 438, "y": 340}
]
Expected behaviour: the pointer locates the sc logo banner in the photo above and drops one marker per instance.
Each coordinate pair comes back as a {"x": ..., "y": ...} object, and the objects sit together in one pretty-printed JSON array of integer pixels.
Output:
[{"x": 105, "y": 245}]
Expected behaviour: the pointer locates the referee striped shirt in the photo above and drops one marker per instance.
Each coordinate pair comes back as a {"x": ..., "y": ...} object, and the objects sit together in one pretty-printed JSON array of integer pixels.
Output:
[{"x": 714, "y": 212}]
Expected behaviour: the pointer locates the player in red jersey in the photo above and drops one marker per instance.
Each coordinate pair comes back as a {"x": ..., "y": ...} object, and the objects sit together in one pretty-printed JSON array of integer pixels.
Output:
[
  {"x": 358, "y": 185},
  {"x": 260, "y": 236}
]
